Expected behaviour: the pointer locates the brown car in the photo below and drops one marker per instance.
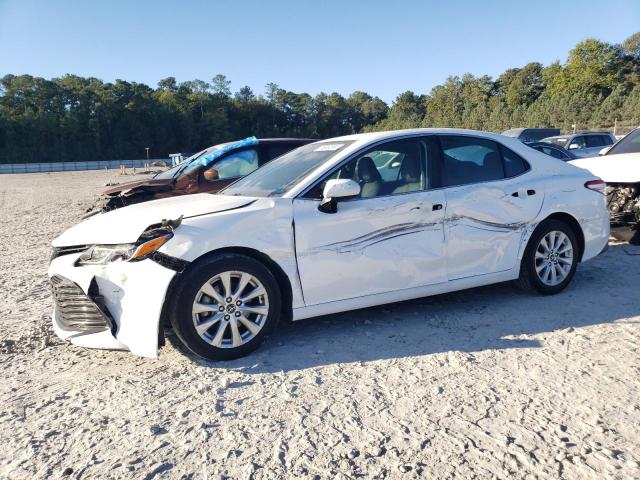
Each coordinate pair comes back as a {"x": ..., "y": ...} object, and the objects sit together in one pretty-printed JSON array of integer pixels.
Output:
[{"x": 208, "y": 171}]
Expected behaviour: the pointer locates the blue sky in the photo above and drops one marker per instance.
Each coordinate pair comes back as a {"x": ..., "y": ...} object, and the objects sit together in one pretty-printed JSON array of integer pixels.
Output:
[{"x": 381, "y": 47}]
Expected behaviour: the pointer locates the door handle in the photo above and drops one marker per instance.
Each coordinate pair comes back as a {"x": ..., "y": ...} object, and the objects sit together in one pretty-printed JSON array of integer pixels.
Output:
[{"x": 521, "y": 193}]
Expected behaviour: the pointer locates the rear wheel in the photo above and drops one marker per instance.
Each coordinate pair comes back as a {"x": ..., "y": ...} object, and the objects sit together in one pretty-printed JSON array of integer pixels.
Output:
[
  {"x": 225, "y": 307},
  {"x": 550, "y": 259}
]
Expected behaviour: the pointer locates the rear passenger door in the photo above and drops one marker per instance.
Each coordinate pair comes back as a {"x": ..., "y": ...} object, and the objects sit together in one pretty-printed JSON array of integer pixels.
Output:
[{"x": 490, "y": 201}]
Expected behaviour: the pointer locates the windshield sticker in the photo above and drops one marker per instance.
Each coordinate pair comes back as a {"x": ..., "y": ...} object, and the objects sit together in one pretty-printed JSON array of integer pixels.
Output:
[{"x": 331, "y": 147}]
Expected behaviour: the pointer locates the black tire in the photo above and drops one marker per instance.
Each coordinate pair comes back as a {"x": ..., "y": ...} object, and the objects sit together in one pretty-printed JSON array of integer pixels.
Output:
[
  {"x": 529, "y": 279},
  {"x": 180, "y": 309}
]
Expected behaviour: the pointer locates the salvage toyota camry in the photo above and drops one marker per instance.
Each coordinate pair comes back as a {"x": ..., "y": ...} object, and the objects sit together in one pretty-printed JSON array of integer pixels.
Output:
[{"x": 335, "y": 225}]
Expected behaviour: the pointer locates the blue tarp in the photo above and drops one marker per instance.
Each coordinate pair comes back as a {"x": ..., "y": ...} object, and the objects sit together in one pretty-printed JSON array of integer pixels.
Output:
[{"x": 208, "y": 158}]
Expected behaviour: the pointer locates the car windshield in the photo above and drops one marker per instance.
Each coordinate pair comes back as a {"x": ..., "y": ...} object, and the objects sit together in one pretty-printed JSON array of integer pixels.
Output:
[
  {"x": 281, "y": 174},
  {"x": 189, "y": 164},
  {"x": 628, "y": 144}
]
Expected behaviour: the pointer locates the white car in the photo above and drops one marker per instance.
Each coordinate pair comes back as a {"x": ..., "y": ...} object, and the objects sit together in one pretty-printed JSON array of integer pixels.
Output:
[
  {"x": 619, "y": 167},
  {"x": 335, "y": 225}
]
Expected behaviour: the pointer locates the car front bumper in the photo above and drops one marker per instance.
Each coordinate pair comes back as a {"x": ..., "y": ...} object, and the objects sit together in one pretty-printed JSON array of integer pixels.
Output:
[{"x": 129, "y": 295}]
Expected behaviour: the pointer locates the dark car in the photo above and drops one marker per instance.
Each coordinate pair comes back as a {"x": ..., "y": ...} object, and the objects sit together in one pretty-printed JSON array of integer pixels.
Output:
[
  {"x": 210, "y": 170},
  {"x": 553, "y": 150},
  {"x": 528, "y": 135}
]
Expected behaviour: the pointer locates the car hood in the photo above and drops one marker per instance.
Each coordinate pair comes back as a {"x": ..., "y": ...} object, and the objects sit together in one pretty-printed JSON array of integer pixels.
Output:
[
  {"x": 136, "y": 184},
  {"x": 125, "y": 225},
  {"x": 621, "y": 168}
]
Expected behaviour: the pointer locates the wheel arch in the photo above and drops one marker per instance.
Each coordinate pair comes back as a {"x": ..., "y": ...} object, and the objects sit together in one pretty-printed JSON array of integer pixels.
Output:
[
  {"x": 574, "y": 225},
  {"x": 281, "y": 277}
]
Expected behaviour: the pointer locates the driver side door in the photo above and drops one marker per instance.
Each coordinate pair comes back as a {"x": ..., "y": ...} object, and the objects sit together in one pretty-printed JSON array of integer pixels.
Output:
[{"x": 389, "y": 238}]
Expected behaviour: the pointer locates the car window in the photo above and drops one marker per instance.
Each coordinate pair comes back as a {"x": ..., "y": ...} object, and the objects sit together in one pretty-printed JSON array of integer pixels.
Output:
[
  {"x": 595, "y": 141},
  {"x": 275, "y": 150},
  {"x": 237, "y": 164},
  {"x": 283, "y": 173},
  {"x": 606, "y": 140},
  {"x": 514, "y": 164},
  {"x": 628, "y": 144},
  {"x": 554, "y": 152},
  {"x": 470, "y": 160},
  {"x": 388, "y": 169},
  {"x": 578, "y": 142}
]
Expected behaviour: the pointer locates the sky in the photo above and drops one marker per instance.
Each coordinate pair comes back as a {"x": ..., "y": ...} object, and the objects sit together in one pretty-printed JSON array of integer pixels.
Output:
[{"x": 381, "y": 47}]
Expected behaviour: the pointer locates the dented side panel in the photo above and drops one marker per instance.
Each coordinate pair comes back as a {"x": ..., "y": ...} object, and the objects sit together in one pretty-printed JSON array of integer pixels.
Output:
[
  {"x": 485, "y": 224},
  {"x": 369, "y": 246}
]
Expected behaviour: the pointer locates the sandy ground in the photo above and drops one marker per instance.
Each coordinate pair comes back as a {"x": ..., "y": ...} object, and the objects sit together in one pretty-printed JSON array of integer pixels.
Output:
[{"x": 486, "y": 383}]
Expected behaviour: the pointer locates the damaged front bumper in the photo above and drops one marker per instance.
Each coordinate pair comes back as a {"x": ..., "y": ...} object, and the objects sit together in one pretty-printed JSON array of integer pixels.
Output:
[{"x": 114, "y": 306}]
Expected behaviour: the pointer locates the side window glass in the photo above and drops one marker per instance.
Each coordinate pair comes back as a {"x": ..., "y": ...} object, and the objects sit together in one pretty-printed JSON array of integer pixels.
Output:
[
  {"x": 470, "y": 160},
  {"x": 578, "y": 142},
  {"x": 552, "y": 151},
  {"x": 235, "y": 165},
  {"x": 514, "y": 164},
  {"x": 595, "y": 141},
  {"x": 607, "y": 140},
  {"x": 274, "y": 151},
  {"x": 389, "y": 169}
]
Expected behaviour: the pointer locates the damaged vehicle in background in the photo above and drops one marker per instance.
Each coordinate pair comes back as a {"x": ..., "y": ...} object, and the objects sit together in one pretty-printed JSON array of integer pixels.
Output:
[
  {"x": 208, "y": 171},
  {"x": 336, "y": 225},
  {"x": 619, "y": 167}
]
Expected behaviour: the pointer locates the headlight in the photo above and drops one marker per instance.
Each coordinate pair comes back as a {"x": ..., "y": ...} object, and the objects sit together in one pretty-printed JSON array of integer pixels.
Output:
[{"x": 130, "y": 252}]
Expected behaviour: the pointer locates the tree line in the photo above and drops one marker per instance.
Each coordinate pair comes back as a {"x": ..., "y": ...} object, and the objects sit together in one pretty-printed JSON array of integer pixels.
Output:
[{"x": 73, "y": 118}]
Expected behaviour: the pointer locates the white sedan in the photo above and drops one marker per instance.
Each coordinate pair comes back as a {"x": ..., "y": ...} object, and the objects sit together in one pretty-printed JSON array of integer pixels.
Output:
[{"x": 335, "y": 225}]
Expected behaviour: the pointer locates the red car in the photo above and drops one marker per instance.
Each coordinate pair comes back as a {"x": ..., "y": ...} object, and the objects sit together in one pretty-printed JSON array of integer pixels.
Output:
[{"x": 208, "y": 171}]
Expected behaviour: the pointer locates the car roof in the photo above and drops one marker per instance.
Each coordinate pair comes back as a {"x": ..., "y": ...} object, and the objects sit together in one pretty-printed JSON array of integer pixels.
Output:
[
  {"x": 391, "y": 134},
  {"x": 569, "y": 135}
]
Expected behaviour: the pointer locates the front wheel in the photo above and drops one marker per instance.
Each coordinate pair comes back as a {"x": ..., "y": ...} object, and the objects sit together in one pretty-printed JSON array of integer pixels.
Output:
[
  {"x": 550, "y": 259},
  {"x": 225, "y": 306}
]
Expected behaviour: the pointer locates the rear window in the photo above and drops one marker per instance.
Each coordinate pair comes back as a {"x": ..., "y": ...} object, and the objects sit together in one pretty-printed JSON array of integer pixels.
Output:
[
  {"x": 628, "y": 144},
  {"x": 514, "y": 164}
]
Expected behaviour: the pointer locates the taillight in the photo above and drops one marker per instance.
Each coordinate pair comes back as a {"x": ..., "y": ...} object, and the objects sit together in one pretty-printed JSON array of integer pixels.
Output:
[{"x": 596, "y": 185}]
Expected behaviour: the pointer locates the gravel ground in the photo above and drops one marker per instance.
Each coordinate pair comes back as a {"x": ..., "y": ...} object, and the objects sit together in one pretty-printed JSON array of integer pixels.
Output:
[{"x": 485, "y": 383}]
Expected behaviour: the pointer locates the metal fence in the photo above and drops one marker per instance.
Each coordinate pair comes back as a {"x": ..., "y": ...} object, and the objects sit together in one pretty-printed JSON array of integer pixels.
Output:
[{"x": 74, "y": 166}]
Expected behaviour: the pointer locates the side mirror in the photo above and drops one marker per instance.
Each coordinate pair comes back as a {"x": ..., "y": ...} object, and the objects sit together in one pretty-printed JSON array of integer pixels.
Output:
[
  {"x": 335, "y": 190},
  {"x": 574, "y": 146},
  {"x": 604, "y": 150},
  {"x": 211, "y": 174}
]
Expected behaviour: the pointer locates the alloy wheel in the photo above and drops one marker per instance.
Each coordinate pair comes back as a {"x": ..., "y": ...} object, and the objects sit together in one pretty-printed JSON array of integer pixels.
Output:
[
  {"x": 230, "y": 309},
  {"x": 554, "y": 258}
]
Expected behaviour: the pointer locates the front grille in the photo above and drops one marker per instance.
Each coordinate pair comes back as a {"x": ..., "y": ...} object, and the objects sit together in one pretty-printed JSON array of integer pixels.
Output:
[
  {"x": 60, "y": 251},
  {"x": 76, "y": 310}
]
